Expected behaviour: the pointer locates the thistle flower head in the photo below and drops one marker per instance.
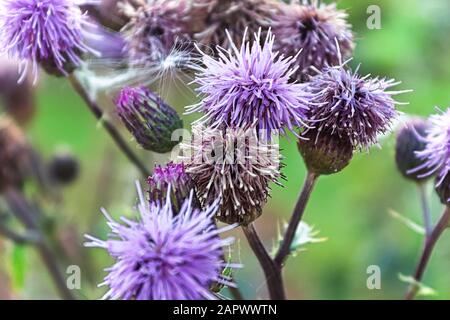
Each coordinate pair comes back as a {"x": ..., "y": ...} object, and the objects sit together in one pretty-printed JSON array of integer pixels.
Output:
[
  {"x": 251, "y": 85},
  {"x": 350, "y": 106},
  {"x": 154, "y": 29},
  {"x": 435, "y": 156},
  {"x": 171, "y": 177},
  {"x": 233, "y": 16},
  {"x": 163, "y": 256},
  {"x": 321, "y": 31},
  {"x": 410, "y": 140},
  {"x": 234, "y": 165},
  {"x": 46, "y": 32},
  {"x": 148, "y": 118}
]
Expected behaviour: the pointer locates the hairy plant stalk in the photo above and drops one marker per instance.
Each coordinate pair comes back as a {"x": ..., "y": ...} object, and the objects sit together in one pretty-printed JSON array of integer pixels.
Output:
[
  {"x": 285, "y": 248},
  {"x": 25, "y": 213},
  {"x": 110, "y": 128},
  {"x": 425, "y": 208},
  {"x": 428, "y": 248},
  {"x": 272, "y": 272}
]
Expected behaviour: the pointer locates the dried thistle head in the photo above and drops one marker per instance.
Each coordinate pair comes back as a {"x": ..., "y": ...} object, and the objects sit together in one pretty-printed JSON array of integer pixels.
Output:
[
  {"x": 320, "y": 30},
  {"x": 233, "y": 165},
  {"x": 154, "y": 29},
  {"x": 234, "y": 16}
]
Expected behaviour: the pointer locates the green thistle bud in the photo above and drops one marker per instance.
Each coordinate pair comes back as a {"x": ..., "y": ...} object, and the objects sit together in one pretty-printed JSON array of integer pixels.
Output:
[
  {"x": 148, "y": 118},
  {"x": 325, "y": 154}
]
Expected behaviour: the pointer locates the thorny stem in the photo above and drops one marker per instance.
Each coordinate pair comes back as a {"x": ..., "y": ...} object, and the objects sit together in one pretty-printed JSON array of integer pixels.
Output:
[
  {"x": 25, "y": 213},
  {"x": 425, "y": 208},
  {"x": 110, "y": 128},
  {"x": 430, "y": 243},
  {"x": 285, "y": 248},
  {"x": 271, "y": 271}
]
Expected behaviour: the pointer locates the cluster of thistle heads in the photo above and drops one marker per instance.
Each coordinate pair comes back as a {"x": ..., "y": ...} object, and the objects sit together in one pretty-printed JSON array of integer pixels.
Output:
[{"x": 261, "y": 68}]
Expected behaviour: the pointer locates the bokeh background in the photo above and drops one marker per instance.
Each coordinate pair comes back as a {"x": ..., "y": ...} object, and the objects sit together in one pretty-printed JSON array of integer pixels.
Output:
[{"x": 351, "y": 209}]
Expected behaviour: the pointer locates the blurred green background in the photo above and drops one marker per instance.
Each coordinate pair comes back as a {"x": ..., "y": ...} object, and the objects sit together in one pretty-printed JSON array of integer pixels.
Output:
[{"x": 350, "y": 209}]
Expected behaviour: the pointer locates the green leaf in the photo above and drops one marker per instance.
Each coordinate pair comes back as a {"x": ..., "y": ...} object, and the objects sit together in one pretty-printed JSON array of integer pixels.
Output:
[
  {"x": 407, "y": 222},
  {"x": 423, "y": 290},
  {"x": 305, "y": 234},
  {"x": 18, "y": 266}
]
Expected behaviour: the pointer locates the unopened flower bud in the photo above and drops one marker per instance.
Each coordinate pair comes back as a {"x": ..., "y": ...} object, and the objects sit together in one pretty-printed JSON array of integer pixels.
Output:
[
  {"x": 148, "y": 118},
  {"x": 325, "y": 154},
  {"x": 410, "y": 139},
  {"x": 64, "y": 168},
  {"x": 181, "y": 185}
]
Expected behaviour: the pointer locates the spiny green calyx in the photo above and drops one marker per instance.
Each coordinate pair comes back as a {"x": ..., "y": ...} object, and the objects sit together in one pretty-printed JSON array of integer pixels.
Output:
[
  {"x": 150, "y": 120},
  {"x": 325, "y": 154}
]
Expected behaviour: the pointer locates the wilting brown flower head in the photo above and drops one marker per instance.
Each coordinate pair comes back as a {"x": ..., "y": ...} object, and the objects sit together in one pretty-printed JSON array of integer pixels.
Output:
[
  {"x": 155, "y": 28},
  {"x": 232, "y": 165},
  {"x": 234, "y": 16},
  {"x": 319, "y": 30}
]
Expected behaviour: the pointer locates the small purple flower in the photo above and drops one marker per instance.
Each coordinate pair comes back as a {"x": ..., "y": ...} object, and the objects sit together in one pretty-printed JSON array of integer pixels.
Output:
[
  {"x": 164, "y": 256},
  {"x": 350, "y": 106},
  {"x": 172, "y": 175},
  {"x": 321, "y": 31},
  {"x": 47, "y": 32},
  {"x": 251, "y": 85},
  {"x": 436, "y": 155}
]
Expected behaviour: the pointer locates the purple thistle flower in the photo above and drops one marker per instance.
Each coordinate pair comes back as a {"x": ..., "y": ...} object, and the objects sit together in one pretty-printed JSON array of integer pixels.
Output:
[
  {"x": 350, "y": 106},
  {"x": 150, "y": 120},
  {"x": 251, "y": 85},
  {"x": 46, "y": 32},
  {"x": 155, "y": 28},
  {"x": 319, "y": 30},
  {"x": 172, "y": 175},
  {"x": 164, "y": 256},
  {"x": 233, "y": 165},
  {"x": 436, "y": 154}
]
